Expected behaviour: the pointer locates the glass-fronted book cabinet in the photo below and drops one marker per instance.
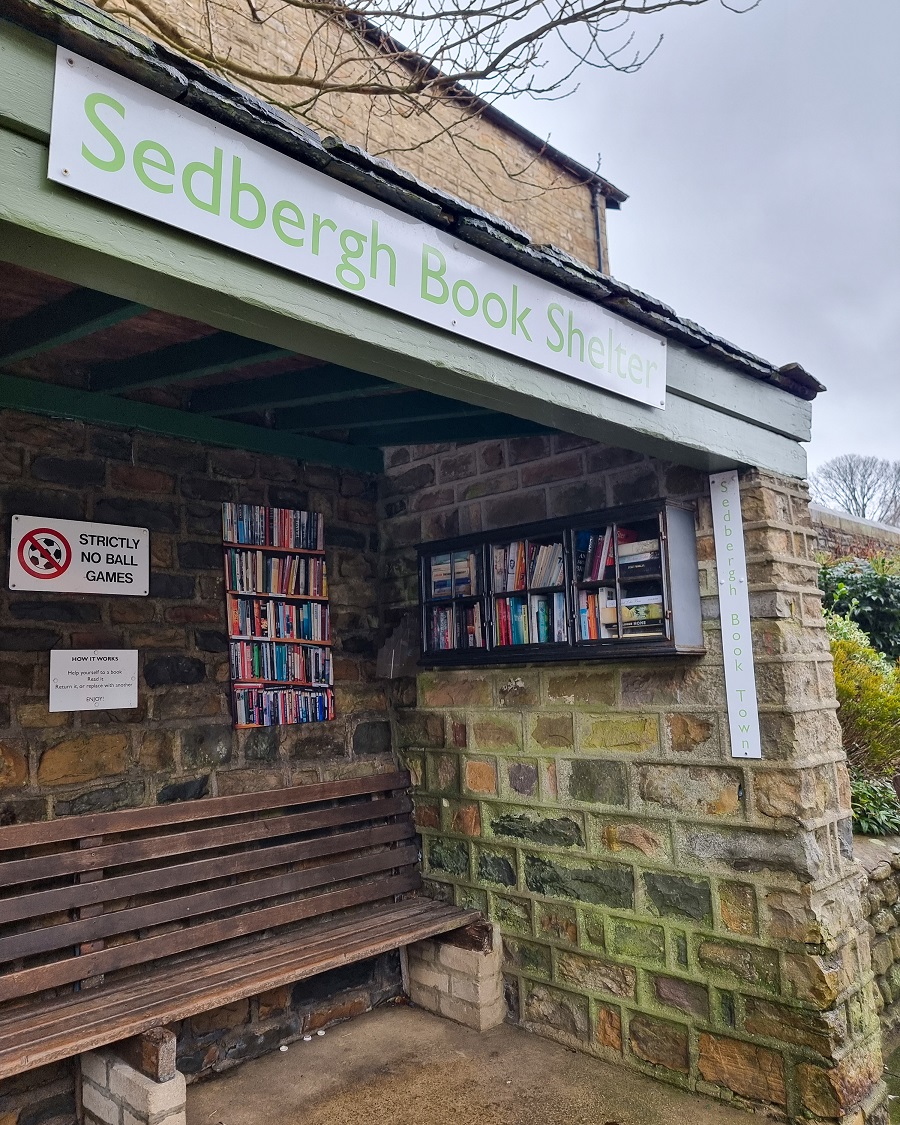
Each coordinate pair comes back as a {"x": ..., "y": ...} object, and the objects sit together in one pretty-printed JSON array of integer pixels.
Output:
[{"x": 614, "y": 584}]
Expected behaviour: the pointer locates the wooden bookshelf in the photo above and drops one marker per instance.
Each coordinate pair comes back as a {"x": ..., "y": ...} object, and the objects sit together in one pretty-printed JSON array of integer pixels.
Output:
[
  {"x": 602, "y": 585},
  {"x": 278, "y": 616}
]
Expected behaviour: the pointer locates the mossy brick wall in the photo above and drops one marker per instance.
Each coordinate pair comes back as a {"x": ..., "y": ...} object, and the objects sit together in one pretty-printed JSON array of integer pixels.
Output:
[
  {"x": 662, "y": 904},
  {"x": 462, "y": 153},
  {"x": 178, "y": 744},
  {"x": 880, "y": 859}
]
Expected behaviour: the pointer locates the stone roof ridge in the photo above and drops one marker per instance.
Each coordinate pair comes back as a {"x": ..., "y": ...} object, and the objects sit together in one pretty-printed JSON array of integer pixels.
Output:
[{"x": 82, "y": 28}]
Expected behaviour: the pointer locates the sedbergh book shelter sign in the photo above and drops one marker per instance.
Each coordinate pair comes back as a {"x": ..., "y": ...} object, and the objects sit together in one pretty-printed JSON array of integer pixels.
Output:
[{"x": 113, "y": 139}]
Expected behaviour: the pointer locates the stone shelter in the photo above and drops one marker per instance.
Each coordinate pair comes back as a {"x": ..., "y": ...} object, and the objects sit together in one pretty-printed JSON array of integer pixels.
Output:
[{"x": 664, "y": 898}]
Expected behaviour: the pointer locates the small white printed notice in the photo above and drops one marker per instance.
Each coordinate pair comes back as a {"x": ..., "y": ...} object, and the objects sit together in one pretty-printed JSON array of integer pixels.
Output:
[
  {"x": 99, "y": 679},
  {"x": 734, "y": 611},
  {"x": 68, "y": 556}
]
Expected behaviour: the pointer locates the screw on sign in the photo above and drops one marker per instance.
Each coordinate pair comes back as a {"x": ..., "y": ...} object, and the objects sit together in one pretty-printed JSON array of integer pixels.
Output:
[{"x": 44, "y": 553}]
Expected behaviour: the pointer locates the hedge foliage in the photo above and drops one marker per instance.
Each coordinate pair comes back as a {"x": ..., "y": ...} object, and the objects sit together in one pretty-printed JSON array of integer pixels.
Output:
[
  {"x": 868, "y": 690},
  {"x": 868, "y": 592},
  {"x": 876, "y": 809}
]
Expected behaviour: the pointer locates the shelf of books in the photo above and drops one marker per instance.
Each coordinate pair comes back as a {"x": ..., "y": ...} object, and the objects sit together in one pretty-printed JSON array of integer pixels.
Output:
[
  {"x": 529, "y": 595},
  {"x": 589, "y": 586},
  {"x": 454, "y": 606},
  {"x": 278, "y": 616},
  {"x": 619, "y": 581}
]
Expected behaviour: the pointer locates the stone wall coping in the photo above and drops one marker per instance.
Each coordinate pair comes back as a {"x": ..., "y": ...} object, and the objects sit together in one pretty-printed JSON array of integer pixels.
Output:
[
  {"x": 874, "y": 851},
  {"x": 843, "y": 521}
]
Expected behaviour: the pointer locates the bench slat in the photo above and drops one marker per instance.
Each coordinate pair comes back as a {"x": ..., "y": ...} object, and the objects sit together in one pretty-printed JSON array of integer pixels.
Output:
[
  {"x": 34, "y": 980},
  {"x": 30, "y": 906},
  {"x": 157, "y": 847},
  {"x": 105, "y": 1029},
  {"x": 132, "y": 820},
  {"x": 198, "y": 971},
  {"x": 186, "y": 907}
]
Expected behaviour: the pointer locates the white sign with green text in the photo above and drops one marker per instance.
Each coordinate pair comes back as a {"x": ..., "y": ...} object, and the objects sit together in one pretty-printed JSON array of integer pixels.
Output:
[
  {"x": 113, "y": 139},
  {"x": 734, "y": 612}
]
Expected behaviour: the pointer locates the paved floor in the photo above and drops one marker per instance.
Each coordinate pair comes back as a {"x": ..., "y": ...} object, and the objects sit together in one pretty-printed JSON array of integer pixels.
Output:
[{"x": 399, "y": 1066}]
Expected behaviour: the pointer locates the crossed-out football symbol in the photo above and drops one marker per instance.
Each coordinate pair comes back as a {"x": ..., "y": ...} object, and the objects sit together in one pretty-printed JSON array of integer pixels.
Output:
[{"x": 44, "y": 553}]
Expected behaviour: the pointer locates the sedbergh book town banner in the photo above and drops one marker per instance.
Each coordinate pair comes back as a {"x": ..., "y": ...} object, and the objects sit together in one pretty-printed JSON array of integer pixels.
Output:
[{"x": 117, "y": 141}]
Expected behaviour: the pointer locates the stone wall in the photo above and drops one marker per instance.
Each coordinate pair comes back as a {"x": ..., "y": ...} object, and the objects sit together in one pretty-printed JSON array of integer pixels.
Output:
[
  {"x": 178, "y": 744},
  {"x": 880, "y": 858},
  {"x": 216, "y": 1041},
  {"x": 447, "y": 146},
  {"x": 842, "y": 536},
  {"x": 661, "y": 904}
]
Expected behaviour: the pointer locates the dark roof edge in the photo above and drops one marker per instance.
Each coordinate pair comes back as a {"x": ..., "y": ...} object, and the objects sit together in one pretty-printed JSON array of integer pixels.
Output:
[{"x": 89, "y": 32}]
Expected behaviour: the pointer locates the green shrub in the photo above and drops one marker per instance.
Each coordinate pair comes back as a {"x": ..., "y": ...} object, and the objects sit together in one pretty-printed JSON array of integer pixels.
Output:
[
  {"x": 868, "y": 690},
  {"x": 876, "y": 810},
  {"x": 868, "y": 592}
]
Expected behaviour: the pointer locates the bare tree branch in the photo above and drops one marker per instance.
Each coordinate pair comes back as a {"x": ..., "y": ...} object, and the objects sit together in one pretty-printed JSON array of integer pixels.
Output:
[
  {"x": 864, "y": 486},
  {"x": 417, "y": 56}
]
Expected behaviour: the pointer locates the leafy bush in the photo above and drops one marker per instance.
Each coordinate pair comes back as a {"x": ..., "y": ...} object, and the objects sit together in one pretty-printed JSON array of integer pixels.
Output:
[
  {"x": 876, "y": 810},
  {"x": 868, "y": 690},
  {"x": 868, "y": 592}
]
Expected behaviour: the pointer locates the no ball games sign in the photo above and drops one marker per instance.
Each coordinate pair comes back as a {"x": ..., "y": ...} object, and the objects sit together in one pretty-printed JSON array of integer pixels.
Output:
[{"x": 68, "y": 556}]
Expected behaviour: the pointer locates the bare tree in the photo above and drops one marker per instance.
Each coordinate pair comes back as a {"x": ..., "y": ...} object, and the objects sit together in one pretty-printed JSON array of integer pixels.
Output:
[
  {"x": 864, "y": 486},
  {"x": 404, "y": 57}
]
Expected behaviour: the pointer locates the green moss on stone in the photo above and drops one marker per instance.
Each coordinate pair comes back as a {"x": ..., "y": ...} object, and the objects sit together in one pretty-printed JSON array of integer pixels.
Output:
[
  {"x": 451, "y": 856},
  {"x": 493, "y": 868},
  {"x": 597, "y": 782},
  {"x": 639, "y": 942},
  {"x": 512, "y": 913},
  {"x": 555, "y": 832},
  {"x": 677, "y": 896},
  {"x": 527, "y": 957},
  {"x": 600, "y": 884}
]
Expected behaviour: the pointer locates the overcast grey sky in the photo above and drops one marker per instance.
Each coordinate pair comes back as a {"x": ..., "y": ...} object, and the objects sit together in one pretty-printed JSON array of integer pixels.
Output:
[{"x": 761, "y": 153}]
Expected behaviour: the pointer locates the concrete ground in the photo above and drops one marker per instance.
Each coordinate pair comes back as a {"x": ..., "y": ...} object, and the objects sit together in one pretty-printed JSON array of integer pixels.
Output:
[{"x": 401, "y": 1066}]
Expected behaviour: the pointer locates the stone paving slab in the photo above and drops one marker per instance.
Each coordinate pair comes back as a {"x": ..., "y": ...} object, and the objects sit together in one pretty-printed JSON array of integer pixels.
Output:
[{"x": 401, "y": 1066}]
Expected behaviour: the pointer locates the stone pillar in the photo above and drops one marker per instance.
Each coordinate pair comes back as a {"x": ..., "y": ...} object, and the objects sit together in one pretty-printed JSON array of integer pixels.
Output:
[
  {"x": 460, "y": 983},
  {"x": 114, "y": 1093},
  {"x": 826, "y": 1013},
  {"x": 662, "y": 904}
]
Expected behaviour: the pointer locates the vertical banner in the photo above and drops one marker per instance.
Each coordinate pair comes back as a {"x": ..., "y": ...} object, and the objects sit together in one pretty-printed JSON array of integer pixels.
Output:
[{"x": 734, "y": 611}]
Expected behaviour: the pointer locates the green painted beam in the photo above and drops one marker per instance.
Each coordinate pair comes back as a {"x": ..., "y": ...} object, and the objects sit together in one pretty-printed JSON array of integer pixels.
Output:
[
  {"x": 448, "y": 429},
  {"x": 87, "y": 406},
  {"x": 411, "y": 406},
  {"x": 328, "y": 383},
  {"x": 72, "y": 317},
  {"x": 210, "y": 355},
  {"x": 86, "y": 242}
]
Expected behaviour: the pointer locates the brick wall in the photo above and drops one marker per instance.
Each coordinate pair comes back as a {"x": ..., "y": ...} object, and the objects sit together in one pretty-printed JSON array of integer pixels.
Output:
[
  {"x": 661, "y": 904},
  {"x": 462, "y": 153},
  {"x": 178, "y": 744}
]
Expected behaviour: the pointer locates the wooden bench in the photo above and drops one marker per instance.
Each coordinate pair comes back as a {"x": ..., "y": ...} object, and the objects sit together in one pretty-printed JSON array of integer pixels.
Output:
[{"x": 115, "y": 923}]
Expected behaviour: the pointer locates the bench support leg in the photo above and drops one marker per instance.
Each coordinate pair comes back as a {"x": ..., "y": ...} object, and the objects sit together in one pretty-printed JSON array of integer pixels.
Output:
[
  {"x": 457, "y": 975},
  {"x": 115, "y": 1093}
]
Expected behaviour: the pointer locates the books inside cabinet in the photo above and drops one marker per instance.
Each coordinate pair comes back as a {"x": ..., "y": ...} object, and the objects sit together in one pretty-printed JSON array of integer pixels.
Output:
[
  {"x": 565, "y": 588},
  {"x": 278, "y": 616}
]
